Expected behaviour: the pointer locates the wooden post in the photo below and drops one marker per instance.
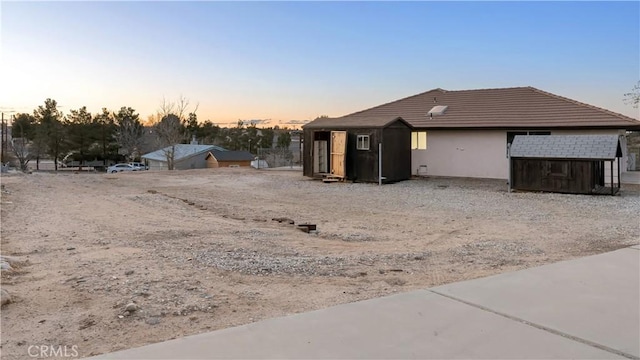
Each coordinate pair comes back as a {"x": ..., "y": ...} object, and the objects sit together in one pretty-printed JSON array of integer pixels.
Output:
[
  {"x": 612, "y": 177},
  {"x": 618, "y": 173}
]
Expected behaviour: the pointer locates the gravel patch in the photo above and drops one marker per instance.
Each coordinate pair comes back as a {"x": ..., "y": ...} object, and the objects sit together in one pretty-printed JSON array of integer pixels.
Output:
[{"x": 252, "y": 262}]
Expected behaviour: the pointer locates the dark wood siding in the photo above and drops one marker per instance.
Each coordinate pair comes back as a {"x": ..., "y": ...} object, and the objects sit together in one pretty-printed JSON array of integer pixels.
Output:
[
  {"x": 307, "y": 153},
  {"x": 556, "y": 175},
  {"x": 396, "y": 154},
  {"x": 362, "y": 165}
]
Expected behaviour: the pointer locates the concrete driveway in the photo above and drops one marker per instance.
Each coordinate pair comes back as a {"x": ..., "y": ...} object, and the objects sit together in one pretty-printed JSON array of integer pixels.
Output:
[{"x": 586, "y": 308}]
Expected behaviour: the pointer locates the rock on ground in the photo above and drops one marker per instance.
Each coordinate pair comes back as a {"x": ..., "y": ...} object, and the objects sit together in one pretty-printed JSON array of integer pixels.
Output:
[{"x": 5, "y": 298}]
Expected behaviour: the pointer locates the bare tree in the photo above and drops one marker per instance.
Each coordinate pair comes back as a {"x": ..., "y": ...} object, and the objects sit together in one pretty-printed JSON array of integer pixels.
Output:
[
  {"x": 169, "y": 134},
  {"x": 633, "y": 98},
  {"x": 178, "y": 108},
  {"x": 23, "y": 132},
  {"x": 20, "y": 148},
  {"x": 171, "y": 128},
  {"x": 128, "y": 132}
]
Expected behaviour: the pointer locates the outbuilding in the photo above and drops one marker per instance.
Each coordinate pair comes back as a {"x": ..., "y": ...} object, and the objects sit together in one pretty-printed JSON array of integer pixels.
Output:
[
  {"x": 366, "y": 149},
  {"x": 218, "y": 158},
  {"x": 575, "y": 164}
]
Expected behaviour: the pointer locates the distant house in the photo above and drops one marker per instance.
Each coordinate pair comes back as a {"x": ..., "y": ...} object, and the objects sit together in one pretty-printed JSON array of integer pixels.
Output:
[
  {"x": 465, "y": 133},
  {"x": 186, "y": 156},
  {"x": 218, "y": 158}
]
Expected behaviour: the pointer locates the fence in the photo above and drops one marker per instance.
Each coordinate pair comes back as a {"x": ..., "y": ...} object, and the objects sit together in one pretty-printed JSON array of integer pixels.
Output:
[{"x": 279, "y": 157}]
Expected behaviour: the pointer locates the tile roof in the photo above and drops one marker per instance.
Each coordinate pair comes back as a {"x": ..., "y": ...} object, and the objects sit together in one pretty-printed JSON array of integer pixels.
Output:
[
  {"x": 231, "y": 155},
  {"x": 354, "y": 122},
  {"x": 600, "y": 147},
  {"x": 182, "y": 151},
  {"x": 517, "y": 107}
]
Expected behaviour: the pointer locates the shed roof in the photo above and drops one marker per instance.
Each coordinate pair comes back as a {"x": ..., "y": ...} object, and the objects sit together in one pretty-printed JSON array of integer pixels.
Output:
[
  {"x": 230, "y": 155},
  {"x": 595, "y": 147},
  {"x": 182, "y": 151},
  {"x": 517, "y": 107},
  {"x": 349, "y": 122}
]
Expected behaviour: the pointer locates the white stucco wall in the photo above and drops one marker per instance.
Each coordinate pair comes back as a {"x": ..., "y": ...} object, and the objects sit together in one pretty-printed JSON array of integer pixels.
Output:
[
  {"x": 480, "y": 153},
  {"x": 464, "y": 153}
]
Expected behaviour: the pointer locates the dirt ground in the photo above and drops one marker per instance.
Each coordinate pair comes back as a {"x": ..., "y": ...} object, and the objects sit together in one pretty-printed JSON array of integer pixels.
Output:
[{"x": 197, "y": 250}]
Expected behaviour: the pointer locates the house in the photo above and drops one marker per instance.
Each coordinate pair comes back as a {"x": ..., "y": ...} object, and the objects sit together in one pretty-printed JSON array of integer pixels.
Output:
[
  {"x": 363, "y": 148},
  {"x": 186, "y": 156},
  {"x": 217, "y": 158},
  {"x": 565, "y": 163},
  {"x": 465, "y": 133}
]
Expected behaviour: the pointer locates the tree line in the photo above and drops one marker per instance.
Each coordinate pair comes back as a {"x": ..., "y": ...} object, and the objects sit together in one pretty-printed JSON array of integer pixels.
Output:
[{"x": 114, "y": 136}]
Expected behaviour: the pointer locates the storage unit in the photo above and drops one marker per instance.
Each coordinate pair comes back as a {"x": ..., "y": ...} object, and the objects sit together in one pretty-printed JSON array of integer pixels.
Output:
[
  {"x": 217, "y": 158},
  {"x": 575, "y": 164},
  {"x": 367, "y": 149}
]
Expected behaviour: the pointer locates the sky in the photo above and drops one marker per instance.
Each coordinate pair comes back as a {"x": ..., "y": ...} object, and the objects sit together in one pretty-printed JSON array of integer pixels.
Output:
[{"x": 288, "y": 62}]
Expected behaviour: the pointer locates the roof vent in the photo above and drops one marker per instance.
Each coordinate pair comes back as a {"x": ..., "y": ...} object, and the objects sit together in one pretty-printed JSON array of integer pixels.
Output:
[{"x": 437, "y": 110}]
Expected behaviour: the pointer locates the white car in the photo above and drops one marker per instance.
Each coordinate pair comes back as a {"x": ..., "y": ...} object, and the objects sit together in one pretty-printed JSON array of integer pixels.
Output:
[
  {"x": 139, "y": 166},
  {"x": 120, "y": 167}
]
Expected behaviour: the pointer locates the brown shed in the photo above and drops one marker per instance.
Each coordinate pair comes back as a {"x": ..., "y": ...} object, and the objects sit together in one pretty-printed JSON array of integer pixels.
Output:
[
  {"x": 217, "y": 158},
  {"x": 576, "y": 164},
  {"x": 368, "y": 149}
]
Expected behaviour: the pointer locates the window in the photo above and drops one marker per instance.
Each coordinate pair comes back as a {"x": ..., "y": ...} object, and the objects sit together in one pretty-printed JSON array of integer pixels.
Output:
[
  {"x": 419, "y": 140},
  {"x": 512, "y": 134},
  {"x": 363, "y": 142},
  {"x": 539, "y": 133},
  {"x": 558, "y": 168}
]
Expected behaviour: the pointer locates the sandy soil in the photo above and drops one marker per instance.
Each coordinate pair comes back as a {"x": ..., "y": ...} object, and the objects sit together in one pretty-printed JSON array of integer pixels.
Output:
[{"x": 198, "y": 250}]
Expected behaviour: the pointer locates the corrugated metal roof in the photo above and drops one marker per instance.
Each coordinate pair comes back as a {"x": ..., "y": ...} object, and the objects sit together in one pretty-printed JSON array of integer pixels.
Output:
[
  {"x": 596, "y": 147},
  {"x": 508, "y": 108},
  {"x": 182, "y": 151},
  {"x": 231, "y": 155},
  {"x": 354, "y": 122}
]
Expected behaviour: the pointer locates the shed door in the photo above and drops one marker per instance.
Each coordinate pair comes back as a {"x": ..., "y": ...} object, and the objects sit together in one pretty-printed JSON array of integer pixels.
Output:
[{"x": 338, "y": 152}]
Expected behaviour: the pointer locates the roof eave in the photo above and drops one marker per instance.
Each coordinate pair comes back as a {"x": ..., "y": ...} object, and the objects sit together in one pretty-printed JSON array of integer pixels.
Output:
[
  {"x": 537, "y": 127},
  {"x": 564, "y": 158},
  {"x": 345, "y": 125}
]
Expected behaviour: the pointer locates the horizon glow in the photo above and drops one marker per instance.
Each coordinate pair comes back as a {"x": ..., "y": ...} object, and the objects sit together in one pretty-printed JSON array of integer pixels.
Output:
[{"x": 280, "y": 62}]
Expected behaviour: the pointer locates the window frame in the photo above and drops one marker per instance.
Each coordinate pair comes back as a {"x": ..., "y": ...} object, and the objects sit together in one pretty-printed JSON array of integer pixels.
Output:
[
  {"x": 415, "y": 138},
  {"x": 361, "y": 139},
  {"x": 564, "y": 167}
]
